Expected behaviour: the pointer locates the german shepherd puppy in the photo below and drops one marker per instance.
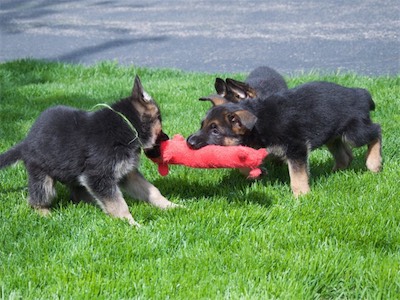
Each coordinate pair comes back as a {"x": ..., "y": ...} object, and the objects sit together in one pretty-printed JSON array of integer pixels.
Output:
[
  {"x": 93, "y": 153},
  {"x": 292, "y": 123},
  {"x": 261, "y": 82}
]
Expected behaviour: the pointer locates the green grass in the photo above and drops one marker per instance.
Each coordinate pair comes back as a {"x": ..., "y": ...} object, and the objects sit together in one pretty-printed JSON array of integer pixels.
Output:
[{"x": 235, "y": 239}]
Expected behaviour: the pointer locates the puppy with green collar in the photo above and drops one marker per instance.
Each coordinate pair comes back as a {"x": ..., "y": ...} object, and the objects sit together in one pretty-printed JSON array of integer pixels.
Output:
[{"x": 94, "y": 153}]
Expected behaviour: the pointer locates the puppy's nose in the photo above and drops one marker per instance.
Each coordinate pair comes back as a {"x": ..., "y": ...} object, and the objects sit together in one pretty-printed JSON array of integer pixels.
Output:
[{"x": 192, "y": 142}]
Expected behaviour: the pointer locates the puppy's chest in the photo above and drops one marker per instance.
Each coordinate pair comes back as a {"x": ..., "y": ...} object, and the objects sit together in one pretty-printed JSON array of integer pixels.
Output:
[
  {"x": 126, "y": 165},
  {"x": 277, "y": 151}
]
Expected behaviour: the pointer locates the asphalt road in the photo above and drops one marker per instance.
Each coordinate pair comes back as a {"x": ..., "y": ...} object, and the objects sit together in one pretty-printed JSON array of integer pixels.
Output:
[{"x": 210, "y": 36}]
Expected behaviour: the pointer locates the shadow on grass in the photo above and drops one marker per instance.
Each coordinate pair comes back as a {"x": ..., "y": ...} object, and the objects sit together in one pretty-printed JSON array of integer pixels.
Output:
[
  {"x": 233, "y": 187},
  {"x": 236, "y": 188}
]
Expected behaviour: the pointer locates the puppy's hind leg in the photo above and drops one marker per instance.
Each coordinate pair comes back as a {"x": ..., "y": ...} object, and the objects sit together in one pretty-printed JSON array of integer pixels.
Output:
[
  {"x": 138, "y": 187},
  {"x": 362, "y": 134},
  {"x": 41, "y": 190},
  {"x": 341, "y": 152},
  {"x": 374, "y": 154}
]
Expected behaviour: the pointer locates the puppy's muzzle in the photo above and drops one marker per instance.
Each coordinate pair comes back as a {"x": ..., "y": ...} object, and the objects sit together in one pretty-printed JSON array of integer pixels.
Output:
[{"x": 195, "y": 142}]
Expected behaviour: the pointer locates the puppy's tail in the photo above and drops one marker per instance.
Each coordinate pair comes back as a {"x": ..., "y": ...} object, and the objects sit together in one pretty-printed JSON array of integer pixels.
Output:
[{"x": 11, "y": 156}]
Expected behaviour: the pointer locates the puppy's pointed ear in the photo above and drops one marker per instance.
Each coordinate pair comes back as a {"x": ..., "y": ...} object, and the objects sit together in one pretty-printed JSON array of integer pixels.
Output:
[
  {"x": 215, "y": 99},
  {"x": 137, "y": 90},
  {"x": 241, "y": 89},
  {"x": 138, "y": 93},
  {"x": 241, "y": 121},
  {"x": 220, "y": 87}
]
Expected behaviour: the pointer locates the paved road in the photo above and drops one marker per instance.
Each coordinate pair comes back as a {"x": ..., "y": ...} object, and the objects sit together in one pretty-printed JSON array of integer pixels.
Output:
[{"x": 208, "y": 35}]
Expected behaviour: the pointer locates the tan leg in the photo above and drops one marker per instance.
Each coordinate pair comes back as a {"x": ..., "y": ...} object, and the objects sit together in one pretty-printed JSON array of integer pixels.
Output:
[
  {"x": 117, "y": 207},
  {"x": 138, "y": 187},
  {"x": 374, "y": 156},
  {"x": 113, "y": 204},
  {"x": 298, "y": 173},
  {"x": 109, "y": 199}
]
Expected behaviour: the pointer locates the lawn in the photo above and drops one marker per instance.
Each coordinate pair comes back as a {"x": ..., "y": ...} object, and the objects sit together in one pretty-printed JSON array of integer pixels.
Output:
[{"x": 234, "y": 238}]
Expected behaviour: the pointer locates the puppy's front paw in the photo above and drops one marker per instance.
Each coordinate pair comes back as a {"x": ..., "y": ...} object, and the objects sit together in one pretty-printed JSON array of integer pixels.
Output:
[
  {"x": 300, "y": 190},
  {"x": 164, "y": 204},
  {"x": 174, "y": 205},
  {"x": 132, "y": 222}
]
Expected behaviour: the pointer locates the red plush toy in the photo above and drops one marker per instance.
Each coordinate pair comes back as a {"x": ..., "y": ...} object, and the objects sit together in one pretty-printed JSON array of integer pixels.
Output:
[{"x": 177, "y": 152}]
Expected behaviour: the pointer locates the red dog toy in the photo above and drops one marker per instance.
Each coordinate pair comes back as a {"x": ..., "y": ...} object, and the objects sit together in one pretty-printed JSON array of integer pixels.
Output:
[{"x": 177, "y": 152}]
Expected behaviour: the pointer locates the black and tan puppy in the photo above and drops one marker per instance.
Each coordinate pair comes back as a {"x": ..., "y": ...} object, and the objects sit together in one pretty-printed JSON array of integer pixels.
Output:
[
  {"x": 261, "y": 82},
  {"x": 292, "y": 123},
  {"x": 94, "y": 153}
]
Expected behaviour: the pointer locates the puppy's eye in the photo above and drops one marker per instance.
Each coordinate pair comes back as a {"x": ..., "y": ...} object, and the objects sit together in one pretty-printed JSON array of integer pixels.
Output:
[{"x": 214, "y": 129}]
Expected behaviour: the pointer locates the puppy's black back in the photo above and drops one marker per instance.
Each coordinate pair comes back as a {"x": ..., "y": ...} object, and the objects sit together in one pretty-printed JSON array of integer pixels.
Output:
[
  {"x": 266, "y": 81},
  {"x": 311, "y": 114}
]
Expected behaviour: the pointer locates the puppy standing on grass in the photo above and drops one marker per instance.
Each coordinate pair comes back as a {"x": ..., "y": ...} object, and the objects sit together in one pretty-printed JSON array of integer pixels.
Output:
[
  {"x": 93, "y": 153},
  {"x": 292, "y": 123}
]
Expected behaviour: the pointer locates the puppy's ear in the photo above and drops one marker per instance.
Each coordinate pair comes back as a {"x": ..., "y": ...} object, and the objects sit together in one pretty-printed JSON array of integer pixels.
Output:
[
  {"x": 220, "y": 87},
  {"x": 215, "y": 99},
  {"x": 241, "y": 121},
  {"x": 141, "y": 101},
  {"x": 138, "y": 93},
  {"x": 137, "y": 90},
  {"x": 241, "y": 89}
]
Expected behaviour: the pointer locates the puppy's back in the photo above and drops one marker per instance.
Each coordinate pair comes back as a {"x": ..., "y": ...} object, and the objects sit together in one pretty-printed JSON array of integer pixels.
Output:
[
  {"x": 57, "y": 141},
  {"x": 331, "y": 97},
  {"x": 266, "y": 81},
  {"x": 323, "y": 110},
  {"x": 58, "y": 122}
]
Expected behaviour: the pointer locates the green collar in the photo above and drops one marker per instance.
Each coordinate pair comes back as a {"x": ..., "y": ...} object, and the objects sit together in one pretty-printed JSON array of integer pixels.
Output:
[{"x": 104, "y": 105}]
